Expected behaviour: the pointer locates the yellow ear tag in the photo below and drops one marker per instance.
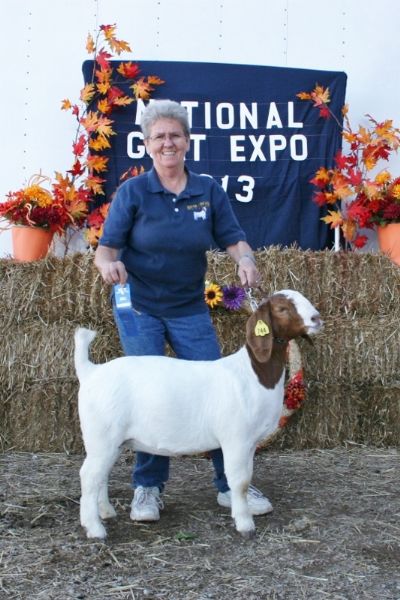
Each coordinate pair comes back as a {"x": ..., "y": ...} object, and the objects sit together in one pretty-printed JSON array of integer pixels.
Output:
[{"x": 261, "y": 328}]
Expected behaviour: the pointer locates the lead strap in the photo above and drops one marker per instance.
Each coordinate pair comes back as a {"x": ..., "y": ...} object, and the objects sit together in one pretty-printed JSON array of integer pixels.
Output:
[{"x": 251, "y": 300}]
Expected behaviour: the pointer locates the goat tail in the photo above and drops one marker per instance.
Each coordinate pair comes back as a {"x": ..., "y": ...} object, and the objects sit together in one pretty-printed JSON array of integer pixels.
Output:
[{"x": 83, "y": 339}]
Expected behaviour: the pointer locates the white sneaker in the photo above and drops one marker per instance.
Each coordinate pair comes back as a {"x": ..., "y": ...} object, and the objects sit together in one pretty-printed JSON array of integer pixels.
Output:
[
  {"x": 258, "y": 503},
  {"x": 146, "y": 504}
]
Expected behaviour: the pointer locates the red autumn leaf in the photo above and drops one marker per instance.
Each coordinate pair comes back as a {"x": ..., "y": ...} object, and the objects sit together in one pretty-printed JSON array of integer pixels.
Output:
[
  {"x": 79, "y": 146},
  {"x": 113, "y": 93},
  {"x": 324, "y": 112},
  {"x": 360, "y": 241},
  {"x": 103, "y": 59},
  {"x": 355, "y": 176},
  {"x": 77, "y": 168},
  {"x": 129, "y": 70}
]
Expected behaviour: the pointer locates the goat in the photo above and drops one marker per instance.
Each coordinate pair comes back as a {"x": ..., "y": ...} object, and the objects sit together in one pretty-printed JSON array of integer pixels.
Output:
[{"x": 173, "y": 407}]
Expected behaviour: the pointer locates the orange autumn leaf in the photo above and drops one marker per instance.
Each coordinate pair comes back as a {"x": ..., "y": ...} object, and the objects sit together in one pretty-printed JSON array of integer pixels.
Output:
[
  {"x": 97, "y": 163},
  {"x": 90, "y": 45},
  {"x": 94, "y": 184},
  {"x": 143, "y": 87},
  {"x": 119, "y": 46},
  {"x": 66, "y": 104},
  {"x": 154, "y": 80},
  {"x": 103, "y": 106},
  {"x": 123, "y": 101},
  {"x": 99, "y": 143},
  {"x": 333, "y": 218},
  {"x": 90, "y": 122},
  {"x": 349, "y": 228},
  {"x": 304, "y": 96},
  {"x": 104, "y": 126}
]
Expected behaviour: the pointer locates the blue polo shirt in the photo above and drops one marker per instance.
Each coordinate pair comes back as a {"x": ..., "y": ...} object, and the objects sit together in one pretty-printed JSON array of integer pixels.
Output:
[{"x": 163, "y": 238}]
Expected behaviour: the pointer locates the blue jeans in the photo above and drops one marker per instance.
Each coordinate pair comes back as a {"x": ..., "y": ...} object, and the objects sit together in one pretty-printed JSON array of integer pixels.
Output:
[{"x": 191, "y": 338}]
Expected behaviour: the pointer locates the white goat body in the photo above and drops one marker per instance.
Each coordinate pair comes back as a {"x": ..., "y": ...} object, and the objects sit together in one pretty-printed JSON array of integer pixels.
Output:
[{"x": 170, "y": 406}]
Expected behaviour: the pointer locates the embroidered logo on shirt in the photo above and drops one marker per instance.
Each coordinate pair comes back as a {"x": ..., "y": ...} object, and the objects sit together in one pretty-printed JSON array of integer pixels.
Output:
[
  {"x": 199, "y": 210},
  {"x": 200, "y": 214}
]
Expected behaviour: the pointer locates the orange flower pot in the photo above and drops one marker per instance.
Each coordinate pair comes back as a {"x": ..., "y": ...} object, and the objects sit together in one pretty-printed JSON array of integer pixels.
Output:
[
  {"x": 389, "y": 241},
  {"x": 30, "y": 243}
]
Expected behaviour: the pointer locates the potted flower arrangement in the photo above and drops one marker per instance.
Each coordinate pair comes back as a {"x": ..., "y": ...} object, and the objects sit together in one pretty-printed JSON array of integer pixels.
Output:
[
  {"x": 357, "y": 193},
  {"x": 40, "y": 209}
]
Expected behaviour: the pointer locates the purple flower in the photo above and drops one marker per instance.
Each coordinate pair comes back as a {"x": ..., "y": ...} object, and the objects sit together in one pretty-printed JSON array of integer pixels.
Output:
[{"x": 233, "y": 297}]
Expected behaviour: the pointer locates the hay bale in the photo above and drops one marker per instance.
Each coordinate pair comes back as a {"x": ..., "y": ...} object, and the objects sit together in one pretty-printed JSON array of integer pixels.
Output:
[
  {"x": 352, "y": 371},
  {"x": 335, "y": 415}
]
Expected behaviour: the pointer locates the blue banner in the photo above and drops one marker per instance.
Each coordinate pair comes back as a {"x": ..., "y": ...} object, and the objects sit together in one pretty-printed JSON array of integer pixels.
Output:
[{"x": 252, "y": 134}]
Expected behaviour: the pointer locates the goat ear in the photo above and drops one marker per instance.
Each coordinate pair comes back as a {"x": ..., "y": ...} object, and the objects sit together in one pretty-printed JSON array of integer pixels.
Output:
[{"x": 259, "y": 333}]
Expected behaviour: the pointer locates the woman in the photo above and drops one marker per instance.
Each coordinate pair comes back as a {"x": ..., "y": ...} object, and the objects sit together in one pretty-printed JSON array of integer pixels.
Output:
[{"x": 156, "y": 235}]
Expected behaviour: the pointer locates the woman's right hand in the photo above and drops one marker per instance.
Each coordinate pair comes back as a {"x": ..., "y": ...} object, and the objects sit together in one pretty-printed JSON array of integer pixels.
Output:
[
  {"x": 114, "y": 272},
  {"x": 111, "y": 269}
]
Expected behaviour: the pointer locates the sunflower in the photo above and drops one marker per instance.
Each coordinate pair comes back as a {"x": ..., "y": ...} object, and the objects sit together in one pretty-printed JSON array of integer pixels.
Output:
[{"x": 212, "y": 294}]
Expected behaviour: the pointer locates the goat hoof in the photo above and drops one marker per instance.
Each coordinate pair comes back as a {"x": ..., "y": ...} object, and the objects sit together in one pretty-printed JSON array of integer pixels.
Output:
[
  {"x": 248, "y": 535},
  {"x": 97, "y": 532}
]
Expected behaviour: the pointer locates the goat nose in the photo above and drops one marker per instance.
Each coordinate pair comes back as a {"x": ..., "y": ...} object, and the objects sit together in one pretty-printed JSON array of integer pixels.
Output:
[{"x": 316, "y": 319}]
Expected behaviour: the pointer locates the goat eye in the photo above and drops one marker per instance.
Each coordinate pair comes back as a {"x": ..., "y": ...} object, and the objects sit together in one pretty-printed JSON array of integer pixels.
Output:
[{"x": 282, "y": 309}]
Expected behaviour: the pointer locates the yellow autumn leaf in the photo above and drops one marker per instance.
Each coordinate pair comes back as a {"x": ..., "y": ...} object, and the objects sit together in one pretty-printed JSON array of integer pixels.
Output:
[
  {"x": 103, "y": 106},
  {"x": 333, "y": 218},
  {"x": 87, "y": 93},
  {"x": 103, "y": 88},
  {"x": 320, "y": 95},
  {"x": 123, "y": 101},
  {"x": 383, "y": 177},
  {"x": 66, "y": 104},
  {"x": 99, "y": 143}
]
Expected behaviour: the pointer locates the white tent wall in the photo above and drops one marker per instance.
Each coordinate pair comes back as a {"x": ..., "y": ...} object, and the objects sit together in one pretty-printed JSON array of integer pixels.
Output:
[{"x": 43, "y": 46}]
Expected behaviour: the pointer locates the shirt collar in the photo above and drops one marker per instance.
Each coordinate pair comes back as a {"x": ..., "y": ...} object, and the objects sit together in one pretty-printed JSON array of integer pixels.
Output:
[{"x": 193, "y": 185}]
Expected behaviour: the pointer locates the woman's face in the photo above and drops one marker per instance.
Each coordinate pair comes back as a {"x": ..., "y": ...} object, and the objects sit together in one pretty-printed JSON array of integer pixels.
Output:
[{"x": 167, "y": 143}]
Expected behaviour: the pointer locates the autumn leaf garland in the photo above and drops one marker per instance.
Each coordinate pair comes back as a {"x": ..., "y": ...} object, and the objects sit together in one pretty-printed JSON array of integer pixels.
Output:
[{"x": 95, "y": 127}]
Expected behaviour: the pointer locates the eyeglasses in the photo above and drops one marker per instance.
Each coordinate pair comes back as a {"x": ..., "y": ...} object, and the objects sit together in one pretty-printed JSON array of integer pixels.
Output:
[{"x": 161, "y": 138}]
